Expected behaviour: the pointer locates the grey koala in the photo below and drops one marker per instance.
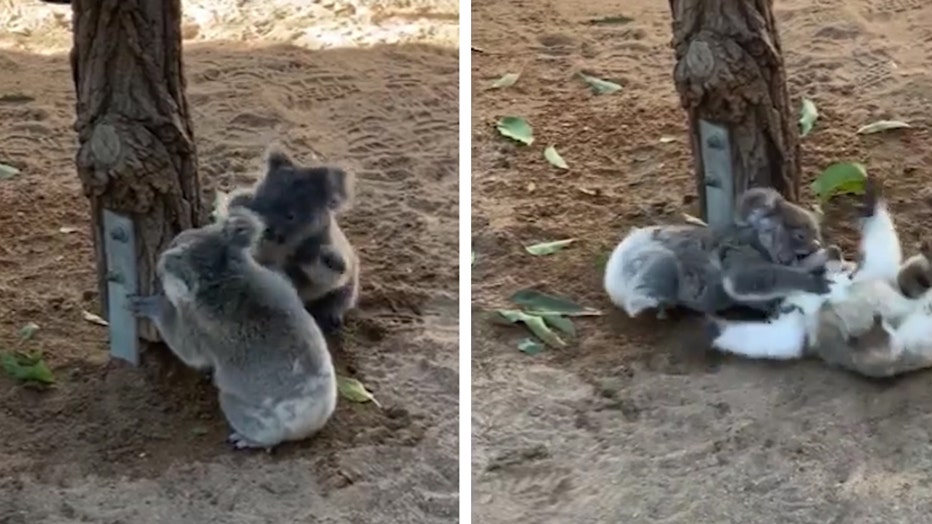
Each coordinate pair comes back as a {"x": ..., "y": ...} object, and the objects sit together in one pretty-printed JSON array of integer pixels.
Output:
[
  {"x": 866, "y": 324},
  {"x": 221, "y": 310},
  {"x": 771, "y": 248},
  {"x": 303, "y": 239}
]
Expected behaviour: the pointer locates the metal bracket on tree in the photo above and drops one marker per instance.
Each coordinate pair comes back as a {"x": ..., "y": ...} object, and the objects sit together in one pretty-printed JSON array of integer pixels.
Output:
[
  {"x": 122, "y": 281},
  {"x": 718, "y": 172}
]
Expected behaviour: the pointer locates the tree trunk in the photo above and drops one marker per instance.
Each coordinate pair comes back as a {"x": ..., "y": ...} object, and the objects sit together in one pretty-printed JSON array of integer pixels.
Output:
[
  {"x": 729, "y": 71},
  {"x": 136, "y": 151}
]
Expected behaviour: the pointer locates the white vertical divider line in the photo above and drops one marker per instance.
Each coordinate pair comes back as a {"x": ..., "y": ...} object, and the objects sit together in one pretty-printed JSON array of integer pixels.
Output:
[{"x": 465, "y": 275}]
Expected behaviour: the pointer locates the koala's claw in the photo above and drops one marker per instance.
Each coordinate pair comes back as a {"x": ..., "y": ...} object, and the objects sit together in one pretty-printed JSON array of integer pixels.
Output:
[
  {"x": 240, "y": 442},
  {"x": 333, "y": 261},
  {"x": 330, "y": 324},
  {"x": 821, "y": 284},
  {"x": 711, "y": 328}
]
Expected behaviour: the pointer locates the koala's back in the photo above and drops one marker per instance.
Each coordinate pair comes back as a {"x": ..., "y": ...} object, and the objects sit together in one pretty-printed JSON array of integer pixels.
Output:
[{"x": 266, "y": 344}]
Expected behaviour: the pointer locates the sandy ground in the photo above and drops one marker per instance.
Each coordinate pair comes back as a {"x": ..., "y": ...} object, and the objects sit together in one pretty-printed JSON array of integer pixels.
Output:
[
  {"x": 115, "y": 445},
  {"x": 637, "y": 422}
]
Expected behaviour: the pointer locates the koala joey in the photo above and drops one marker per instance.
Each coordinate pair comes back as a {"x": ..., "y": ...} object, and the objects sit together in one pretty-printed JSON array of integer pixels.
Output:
[
  {"x": 865, "y": 324},
  {"x": 772, "y": 246},
  {"x": 302, "y": 239},
  {"x": 221, "y": 310}
]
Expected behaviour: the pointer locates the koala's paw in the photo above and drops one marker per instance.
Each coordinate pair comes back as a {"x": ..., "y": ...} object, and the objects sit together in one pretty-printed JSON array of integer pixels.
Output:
[
  {"x": 821, "y": 284},
  {"x": 711, "y": 329},
  {"x": 144, "y": 306},
  {"x": 329, "y": 323},
  {"x": 240, "y": 442},
  {"x": 333, "y": 261}
]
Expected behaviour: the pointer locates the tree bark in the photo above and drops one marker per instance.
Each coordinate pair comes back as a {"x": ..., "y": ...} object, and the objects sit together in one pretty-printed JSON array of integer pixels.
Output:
[
  {"x": 136, "y": 151},
  {"x": 729, "y": 70}
]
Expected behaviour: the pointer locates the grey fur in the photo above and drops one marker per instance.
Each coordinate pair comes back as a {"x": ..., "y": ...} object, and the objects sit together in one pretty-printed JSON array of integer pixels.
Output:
[
  {"x": 865, "y": 324},
  {"x": 221, "y": 310},
  {"x": 773, "y": 248},
  {"x": 303, "y": 238}
]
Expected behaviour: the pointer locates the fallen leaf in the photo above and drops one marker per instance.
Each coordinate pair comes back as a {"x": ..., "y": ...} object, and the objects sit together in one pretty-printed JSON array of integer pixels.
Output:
[
  {"x": 694, "y": 220},
  {"x": 549, "y": 248},
  {"x": 27, "y": 331},
  {"x": 354, "y": 391},
  {"x": 882, "y": 125},
  {"x": 67, "y": 230},
  {"x": 599, "y": 86},
  {"x": 808, "y": 117},
  {"x": 667, "y": 139},
  {"x": 538, "y": 302},
  {"x": 7, "y": 172},
  {"x": 841, "y": 178},
  {"x": 587, "y": 191},
  {"x": 94, "y": 319},
  {"x": 516, "y": 128},
  {"x": 199, "y": 431},
  {"x": 507, "y": 80},
  {"x": 536, "y": 324},
  {"x": 611, "y": 20},
  {"x": 560, "y": 323},
  {"x": 530, "y": 346},
  {"x": 531, "y": 186},
  {"x": 554, "y": 158},
  {"x": 27, "y": 368}
]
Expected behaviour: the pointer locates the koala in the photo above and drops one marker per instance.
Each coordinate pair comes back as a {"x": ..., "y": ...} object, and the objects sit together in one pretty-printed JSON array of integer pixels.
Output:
[
  {"x": 772, "y": 247},
  {"x": 915, "y": 275},
  {"x": 302, "y": 238},
  {"x": 865, "y": 324},
  {"x": 221, "y": 310}
]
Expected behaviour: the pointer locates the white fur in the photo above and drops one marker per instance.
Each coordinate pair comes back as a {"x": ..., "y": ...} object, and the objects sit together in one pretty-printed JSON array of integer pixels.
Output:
[
  {"x": 855, "y": 300},
  {"x": 624, "y": 268}
]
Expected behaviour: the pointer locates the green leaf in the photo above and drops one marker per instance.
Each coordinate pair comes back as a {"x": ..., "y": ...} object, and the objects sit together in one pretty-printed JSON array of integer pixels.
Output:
[
  {"x": 27, "y": 368},
  {"x": 554, "y": 158},
  {"x": 599, "y": 86},
  {"x": 841, "y": 178},
  {"x": 611, "y": 20},
  {"x": 507, "y": 80},
  {"x": 530, "y": 346},
  {"x": 27, "y": 331},
  {"x": 561, "y": 324},
  {"x": 549, "y": 248},
  {"x": 541, "y": 303},
  {"x": 882, "y": 125},
  {"x": 354, "y": 391},
  {"x": 535, "y": 323},
  {"x": 516, "y": 128},
  {"x": 7, "y": 172},
  {"x": 808, "y": 117}
]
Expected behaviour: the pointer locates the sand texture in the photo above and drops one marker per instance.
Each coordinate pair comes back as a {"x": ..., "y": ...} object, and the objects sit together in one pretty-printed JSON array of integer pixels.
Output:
[
  {"x": 111, "y": 444},
  {"x": 637, "y": 422}
]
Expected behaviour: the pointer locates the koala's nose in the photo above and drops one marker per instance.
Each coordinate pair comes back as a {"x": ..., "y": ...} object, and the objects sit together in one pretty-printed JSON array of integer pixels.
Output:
[{"x": 268, "y": 234}]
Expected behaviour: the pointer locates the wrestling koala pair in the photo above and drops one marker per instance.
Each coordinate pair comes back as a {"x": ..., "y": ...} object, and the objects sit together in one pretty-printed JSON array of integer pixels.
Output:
[
  {"x": 876, "y": 319},
  {"x": 240, "y": 297},
  {"x": 772, "y": 247}
]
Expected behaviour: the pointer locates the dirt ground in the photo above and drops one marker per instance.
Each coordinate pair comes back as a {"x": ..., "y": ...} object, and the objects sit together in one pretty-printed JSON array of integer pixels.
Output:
[
  {"x": 638, "y": 422},
  {"x": 111, "y": 444}
]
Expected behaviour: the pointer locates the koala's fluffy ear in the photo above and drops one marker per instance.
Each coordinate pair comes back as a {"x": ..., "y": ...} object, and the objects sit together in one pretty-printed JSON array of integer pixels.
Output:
[
  {"x": 275, "y": 158},
  {"x": 340, "y": 186},
  {"x": 239, "y": 197},
  {"x": 757, "y": 207},
  {"x": 242, "y": 227}
]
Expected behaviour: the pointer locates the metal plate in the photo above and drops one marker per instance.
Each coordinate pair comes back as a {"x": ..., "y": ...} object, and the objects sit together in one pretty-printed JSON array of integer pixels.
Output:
[
  {"x": 122, "y": 280},
  {"x": 719, "y": 174}
]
